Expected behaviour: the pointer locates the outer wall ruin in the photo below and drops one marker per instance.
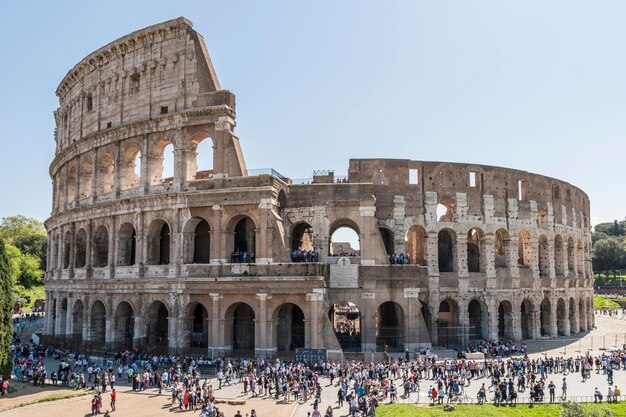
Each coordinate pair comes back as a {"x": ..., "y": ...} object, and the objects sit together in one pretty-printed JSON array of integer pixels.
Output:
[{"x": 204, "y": 260}]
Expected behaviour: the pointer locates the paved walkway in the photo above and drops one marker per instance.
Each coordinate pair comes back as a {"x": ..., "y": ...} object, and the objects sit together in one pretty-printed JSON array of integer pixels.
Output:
[{"x": 149, "y": 403}]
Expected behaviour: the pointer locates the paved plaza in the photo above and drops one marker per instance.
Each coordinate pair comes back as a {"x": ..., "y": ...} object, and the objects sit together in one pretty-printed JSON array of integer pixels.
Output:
[{"x": 149, "y": 403}]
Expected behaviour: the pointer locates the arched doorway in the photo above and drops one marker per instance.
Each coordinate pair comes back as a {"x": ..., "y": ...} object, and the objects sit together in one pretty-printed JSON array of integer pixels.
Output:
[
  {"x": 505, "y": 320},
  {"x": 448, "y": 323},
  {"x": 289, "y": 327},
  {"x": 345, "y": 240},
  {"x": 124, "y": 326},
  {"x": 199, "y": 331},
  {"x": 302, "y": 245},
  {"x": 389, "y": 327},
  {"x": 560, "y": 317},
  {"x": 416, "y": 245},
  {"x": 202, "y": 243},
  {"x": 243, "y": 329},
  {"x": 475, "y": 242},
  {"x": 478, "y": 320},
  {"x": 526, "y": 319},
  {"x": 157, "y": 324},
  {"x": 126, "y": 245},
  {"x": 244, "y": 243},
  {"x": 546, "y": 311},
  {"x": 346, "y": 320},
  {"x": 77, "y": 320},
  {"x": 447, "y": 250},
  {"x": 97, "y": 328}
]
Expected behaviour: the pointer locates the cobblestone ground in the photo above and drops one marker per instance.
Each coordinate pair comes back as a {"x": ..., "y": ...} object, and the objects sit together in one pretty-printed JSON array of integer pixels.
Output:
[{"x": 148, "y": 403}]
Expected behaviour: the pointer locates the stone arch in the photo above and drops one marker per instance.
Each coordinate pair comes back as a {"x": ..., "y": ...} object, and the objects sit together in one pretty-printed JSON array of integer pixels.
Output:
[
  {"x": 526, "y": 319},
  {"x": 131, "y": 163},
  {"x": 86, "y": 175},
  {"x": 61, "y": 182},
  {"x": 97, "y": 325},
  {"x": 126, "y": 245},
  {"x": 387, "y": 236},
  {"x": 239, "y": 327},
  {"x": 80, "y": 255},
  {"x": 573, "y": 328},
  {"x": 345, "y": 318},
  {"x": 445, "y": 211},
  {"x": 580, "y": 258},
  {"x": 417, "y": 245},
  {"x": 502, "y": 249},
  {"x": 475, "y": 250},
  {"x": 570, "y": 255},
  {"x": 281, "y": 202},
  {"x": 159, "y": 173},
  {"x": 241, "y": 239},
  {"x": 560, "y": 317},
  {"x": 203, "y": 162},
  {"x": 559, "y": 256},
  {"x": 77, "y": 319},
  {"x": 197, "y": 241},
  {"x": 478, "y": 314},
  {"x": 301, "y": 241},
  {"x": 197, "y": 326},
  {"x": 505, "y": 320},
  {"x": 159, "y": 242},
  {"x": 157, "y": 317},
  {"x": 545, "y": 319},
  {"x": 67, "y": 249},
  {"x": 344, "y": 227},
  {"x": 101, "y": 247},
  {"x": 448, "y": 323},
  {"x": 524, "y": 249},
  {"x": 544, "y": 257},
  {"x": 290, "y": 331},
  {"x": 124, "y": 325},
  {"x": 390, "y": 327},
  {"x": 106, "y": 168},
  {"x": 447, "y": 253},
  {"x": 72, "y": 176}
]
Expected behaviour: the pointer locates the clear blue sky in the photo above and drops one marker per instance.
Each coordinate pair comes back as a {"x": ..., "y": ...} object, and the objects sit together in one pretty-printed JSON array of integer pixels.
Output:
[{"x": 534, "y": 85}]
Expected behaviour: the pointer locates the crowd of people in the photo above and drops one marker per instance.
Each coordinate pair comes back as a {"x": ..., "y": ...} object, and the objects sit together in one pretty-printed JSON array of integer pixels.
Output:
[
  {"x": 399, "y": 259},
  {"x": 298, "y": 255},
  {"x": 242, "y": 257}
]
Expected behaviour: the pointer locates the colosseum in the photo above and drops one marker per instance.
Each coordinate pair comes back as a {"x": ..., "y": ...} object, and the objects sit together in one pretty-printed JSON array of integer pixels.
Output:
[{"x": 161, "y": 238}]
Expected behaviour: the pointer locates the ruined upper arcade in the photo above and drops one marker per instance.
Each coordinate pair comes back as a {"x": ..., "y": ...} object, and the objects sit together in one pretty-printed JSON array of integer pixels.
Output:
[{"x": 204, "y": 258}]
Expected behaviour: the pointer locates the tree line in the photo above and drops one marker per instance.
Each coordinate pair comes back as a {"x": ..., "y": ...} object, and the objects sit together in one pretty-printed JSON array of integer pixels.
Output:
[{"x": 609, "y": 248}]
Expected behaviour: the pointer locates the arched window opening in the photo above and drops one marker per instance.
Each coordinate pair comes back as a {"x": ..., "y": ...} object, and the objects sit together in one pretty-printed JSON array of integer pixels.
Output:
[
  {"x": 448, "y": 323},
  {"x": 164, "y": 245},
  {"x": 289, "y": 328},
  {"x": 545, "y": 318},
  {"x": 67, "y": 249},
  {"x": 242, "y": 320},
  {"x": 281, "y": 202},
  {"x": 101, "y": 247},
  {"x": 97, "y": 328},
  {"x": 345, "y": 241},
  {"x": 416, "y": 244},
  {"x": 71, "y": 184},
  {"x": 131, "y": 168},
  {"x": 199, "y": 336},
  {"x": 124, "y": 326},
  {"x": 167, "y": 176},
  {"x": 559, "y": 256},
  {"x": 505, "y": 321},
  {"x": 106, "y": 168},
  {"x": 157, "y": 324},
  {"x": 524, "y": 249},
  {"x": 346, "y": 320},
  {"x": 389, "y": 327},
  {"x": 244, "y": 243},
  {"x": 444, "y": 213},
  {"x": 158, "y": 243},
  {"x": 387, "y": 236},
  {"x": 202, "y": 243},
  {"x": 475, "y": 243},
  {"x": 446, "y": 244},
  {"x": 126, "y": 245},
  {"x": 570, "y": 255},
  {"x": 161, "y": 162},
  {"x": 86, "y": 173},
  {"x": 544, "y": 257},
  {"x": 302, "y": 246},
  {"x": 478, "y": 320},
  {"x": 204, "y": 159},
  {"x": 502, "y": 249},
  {"x": 81, "y": 249}
]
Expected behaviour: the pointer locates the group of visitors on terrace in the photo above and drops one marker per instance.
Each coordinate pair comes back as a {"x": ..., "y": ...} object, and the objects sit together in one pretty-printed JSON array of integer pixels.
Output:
[{"x": 298, "y": 255}]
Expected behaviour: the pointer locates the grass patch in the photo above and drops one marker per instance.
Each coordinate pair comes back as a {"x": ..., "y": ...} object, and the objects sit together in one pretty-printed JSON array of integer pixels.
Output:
[
  {"x": 600, "y": 302},
  {"x": 487, "y": 410}
]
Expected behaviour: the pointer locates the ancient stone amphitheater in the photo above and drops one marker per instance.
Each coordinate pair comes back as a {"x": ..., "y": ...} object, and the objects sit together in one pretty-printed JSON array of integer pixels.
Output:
[{"x": 150, "y": 249}]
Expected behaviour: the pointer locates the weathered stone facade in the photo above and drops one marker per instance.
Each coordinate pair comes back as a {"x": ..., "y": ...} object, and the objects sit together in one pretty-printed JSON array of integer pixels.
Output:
[{"x": 202, "y": 259}]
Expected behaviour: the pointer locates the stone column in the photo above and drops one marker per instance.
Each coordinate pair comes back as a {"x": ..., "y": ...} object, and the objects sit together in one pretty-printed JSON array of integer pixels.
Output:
[
  {"x": 117, "y": 175},
  {"x": 112, "y": 245},
  {"x": 261, "y": 345},
  {"x": 49, "y": 313},
  {"x": 489, "y": 258},
  {"x": 86, "y": 324},
  {"x": 461, "y": 255},
  {"x": 463, "y": 323},
  {"x": 57, "y": 322},
  {"x": 68, "y": 315},
  {"x": 566, "y": 322},
  {"x": 551, "y": 259},
  {"x": 72, "y": 249},
  {"x": 144, "y": 180},
  {"x": 534, "y": 259},
  {"x": 176, "y": 240},
  {"x": 536, "y": 319},
  {"x": 516, "y": 323},
  {"x": 214, "y": 325},
  {"x": 172, "y": 332},
  {"x": 89, "y": 249},
  {"x": 512, "y": 255},
  {"x": 94, "y": 177},
  {"x": 554, "y": 329},
  {"x": 218, "y": 252},
  {"x": 432, "y": 254},
  {"x": 493, "y": 318}
]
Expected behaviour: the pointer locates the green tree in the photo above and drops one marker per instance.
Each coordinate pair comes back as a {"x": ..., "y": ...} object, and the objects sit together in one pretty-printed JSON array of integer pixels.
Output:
[
  {"x": 6, "y": 312},
  {"x": 25, "y": 268},
  {"x": 14, "y": 228},
  {"x": 609, "y": 255}
]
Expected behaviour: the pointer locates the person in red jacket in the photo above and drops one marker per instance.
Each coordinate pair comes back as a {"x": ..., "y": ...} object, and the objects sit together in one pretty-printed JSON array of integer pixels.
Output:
[{"x": 113, "y": 399}]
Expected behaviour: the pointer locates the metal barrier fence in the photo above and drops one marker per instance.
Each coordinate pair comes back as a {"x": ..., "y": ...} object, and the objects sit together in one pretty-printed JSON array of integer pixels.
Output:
[{"x": 424, "y": 398}]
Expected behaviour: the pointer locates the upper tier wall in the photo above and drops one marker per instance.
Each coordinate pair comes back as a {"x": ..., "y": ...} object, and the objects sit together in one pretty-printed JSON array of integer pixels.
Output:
[{"x": 161, "y": 69}]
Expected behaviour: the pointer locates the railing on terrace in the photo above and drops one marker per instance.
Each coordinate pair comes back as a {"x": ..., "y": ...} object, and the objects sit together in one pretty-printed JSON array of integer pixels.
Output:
[{"x": 266, "y": 171}]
